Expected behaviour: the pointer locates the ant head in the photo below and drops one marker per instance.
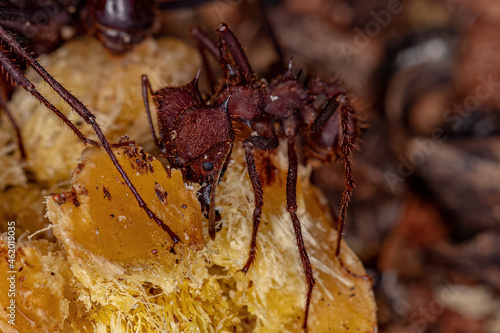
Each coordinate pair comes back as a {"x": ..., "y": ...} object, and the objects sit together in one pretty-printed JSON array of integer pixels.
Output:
[{"x": 200, "y": 140}]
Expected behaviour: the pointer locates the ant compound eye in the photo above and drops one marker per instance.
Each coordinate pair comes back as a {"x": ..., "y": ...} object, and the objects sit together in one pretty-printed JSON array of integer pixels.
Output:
[{"x": 208, "y": 166}]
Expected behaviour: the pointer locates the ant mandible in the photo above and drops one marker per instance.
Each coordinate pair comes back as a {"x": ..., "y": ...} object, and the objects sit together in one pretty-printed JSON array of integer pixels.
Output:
[{"x": 197, "y": 135}]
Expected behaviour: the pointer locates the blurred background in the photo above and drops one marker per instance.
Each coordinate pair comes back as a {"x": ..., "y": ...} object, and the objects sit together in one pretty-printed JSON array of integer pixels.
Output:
[{"x": 425, "y": 79}]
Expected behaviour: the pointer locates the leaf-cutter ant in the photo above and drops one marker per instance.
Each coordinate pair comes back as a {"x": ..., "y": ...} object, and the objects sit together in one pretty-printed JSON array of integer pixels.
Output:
[{"x": 197, "y": 135}]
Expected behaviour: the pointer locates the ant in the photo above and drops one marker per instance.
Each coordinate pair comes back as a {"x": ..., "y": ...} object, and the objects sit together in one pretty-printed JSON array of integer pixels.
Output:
[
  {"x": 283, "y": 108},
  {"x": 196, "y": 135}
]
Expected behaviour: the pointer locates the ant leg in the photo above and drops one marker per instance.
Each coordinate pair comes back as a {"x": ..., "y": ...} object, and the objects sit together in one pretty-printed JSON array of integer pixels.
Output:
[
  {"x": 348, "y": 128},
  {"x": 3, "y": 106},
  {"x": 326, "y": 113},
  {"x": 24, "y": 83},
  {"x": 228, "y": 43},
  {"x": 206, "y": 194},
  {"x": 263, "y": 143},
  {"x": 212, "y": 215},
  {"x": 291, "y": 207},
  {"x": 346, "y": 152},
  {"x": 146, "y": 86},
  {"x": 79, "y": 108}
]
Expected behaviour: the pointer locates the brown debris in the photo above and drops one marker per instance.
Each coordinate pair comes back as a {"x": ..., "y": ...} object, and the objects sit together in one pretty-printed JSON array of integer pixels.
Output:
[
  {"x": 161, "y": 194},
  {"x": 106, "y": 192},
  {"x": 141, "y": 161},
  {"x": 66, "y": 196}
]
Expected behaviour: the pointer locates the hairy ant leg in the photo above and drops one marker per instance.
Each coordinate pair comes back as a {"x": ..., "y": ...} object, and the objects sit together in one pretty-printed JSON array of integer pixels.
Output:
[
  {"x": 346, "y": 152},
  {"x": 249, "y": 144},
  {"x": 291, "y": 207},
  {"x": 336, "y": 129},
  {"x": 19, "y": 78},
  {"x": 79, "y": 108}
]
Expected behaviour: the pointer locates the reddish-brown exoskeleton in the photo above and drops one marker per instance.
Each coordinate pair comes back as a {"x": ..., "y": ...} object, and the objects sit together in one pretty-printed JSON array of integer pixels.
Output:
[{"x": 197, "y": 135}]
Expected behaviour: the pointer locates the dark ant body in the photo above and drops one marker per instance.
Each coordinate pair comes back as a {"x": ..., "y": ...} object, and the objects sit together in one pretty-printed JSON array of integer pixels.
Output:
[
  {"x": 197, "y": 135},
  {"x": 118, "y": 24}
]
